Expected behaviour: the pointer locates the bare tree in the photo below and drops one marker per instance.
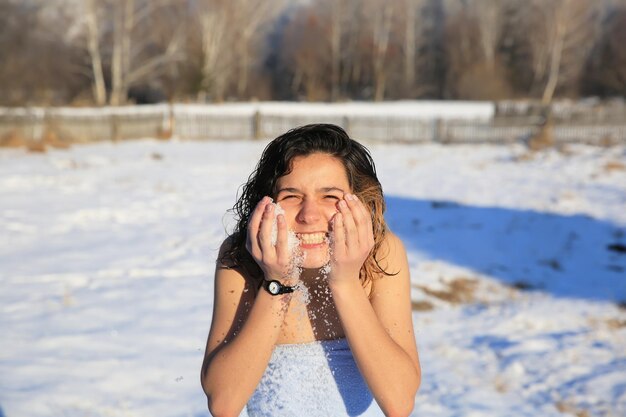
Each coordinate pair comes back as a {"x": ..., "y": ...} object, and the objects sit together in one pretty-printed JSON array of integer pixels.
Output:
[
  {"x": 216, "y": 48},
  {"x": 93, "y": 46},
  {"x": 431, "y": 60},
  {"x": 250, "y": 19},
  {"x": 381, "y": 18},
  {"x": 134, "y": 59},
  {"x": 561, "y": 33},
  {"x": 488, "y": 16},
  {"x": 308, "y": 63},
  {"x": 473, "y": 38},
  {"x": 606, "y": 72},
  {"x": 38, "y": 66},
  {"x": 411, "y": 8}
]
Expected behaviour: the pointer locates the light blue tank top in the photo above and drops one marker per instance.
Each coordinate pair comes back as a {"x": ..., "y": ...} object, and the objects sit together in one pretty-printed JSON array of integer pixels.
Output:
[{"x": 310, "y": 380}]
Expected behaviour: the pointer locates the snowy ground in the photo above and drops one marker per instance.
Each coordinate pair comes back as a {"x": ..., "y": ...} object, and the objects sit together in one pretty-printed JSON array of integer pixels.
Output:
[{"x": 106, "y": 264}]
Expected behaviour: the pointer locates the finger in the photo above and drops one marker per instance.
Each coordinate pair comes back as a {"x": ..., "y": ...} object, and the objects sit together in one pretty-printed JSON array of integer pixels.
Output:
[
  {"x": 265, "y": 230},
  {"x": 350, "y": 230},
  {"x": 253, "y": 225},
  {"x": 362, "y": 219},
  {"x": 282, "y": 241},
  {"x": 339, "y": 238},
  {"x": 257, "y": 214}
]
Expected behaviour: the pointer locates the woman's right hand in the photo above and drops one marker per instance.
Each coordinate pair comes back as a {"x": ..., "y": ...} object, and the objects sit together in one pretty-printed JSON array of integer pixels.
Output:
[{"x": 274, "y": 259}]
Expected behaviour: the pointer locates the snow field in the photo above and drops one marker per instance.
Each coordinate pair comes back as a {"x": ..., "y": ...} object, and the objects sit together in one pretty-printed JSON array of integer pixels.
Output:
[{"x": 107, "y": 254}]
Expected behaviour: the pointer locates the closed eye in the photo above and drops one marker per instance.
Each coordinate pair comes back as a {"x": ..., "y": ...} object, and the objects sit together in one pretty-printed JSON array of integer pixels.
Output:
[
  {"x": 332, "y": 197},
  {"x": 287, "y": 197}
]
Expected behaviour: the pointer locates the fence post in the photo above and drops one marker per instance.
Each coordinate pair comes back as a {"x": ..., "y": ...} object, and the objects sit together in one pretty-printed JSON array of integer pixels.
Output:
[
  {"x": 115, "y": 128},
  {"x": 171, "y": 121},
  {"x": 437, "y": 131},
  {"x": 256, "y": 125}
]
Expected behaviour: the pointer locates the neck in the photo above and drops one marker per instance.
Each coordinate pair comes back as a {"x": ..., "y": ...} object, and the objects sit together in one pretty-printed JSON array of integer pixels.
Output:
[{"x": 312, "y": 273}]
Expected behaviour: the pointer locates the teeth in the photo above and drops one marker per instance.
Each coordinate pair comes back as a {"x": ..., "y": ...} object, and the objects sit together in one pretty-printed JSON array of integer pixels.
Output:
[{"x": 312, "y": 238}]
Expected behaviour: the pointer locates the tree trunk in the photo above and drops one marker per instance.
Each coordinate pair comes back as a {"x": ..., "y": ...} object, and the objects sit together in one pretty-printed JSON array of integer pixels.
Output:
[
  {"x": 99, "y": 89},
  {"x": 244, "y": 64},
  {"x": 556, "y": 53},
  {"x": 555, "y": 67},
  {"x": 129, "y": 24},
  {"x": 409, "y": 47},
  {"x": 335, "y": 50},
  {"x": 213, "y": 78},
  {"x": 116, "y": 59},
  {"x": 382, "y": 28}
]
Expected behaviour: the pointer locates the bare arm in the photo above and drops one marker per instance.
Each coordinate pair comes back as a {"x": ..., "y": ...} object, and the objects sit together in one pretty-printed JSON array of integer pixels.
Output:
[
  {"x": 235, "y": 360},
  {"x": 244, "y": 328},
  {"x": 380, "y": 332}
]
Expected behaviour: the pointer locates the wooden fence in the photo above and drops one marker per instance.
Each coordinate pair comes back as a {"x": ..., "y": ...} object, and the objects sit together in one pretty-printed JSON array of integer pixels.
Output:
[{"x": 212, "y": 122}]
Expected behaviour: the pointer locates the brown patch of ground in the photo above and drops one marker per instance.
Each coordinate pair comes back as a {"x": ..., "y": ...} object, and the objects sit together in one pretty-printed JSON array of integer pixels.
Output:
[
  {"x": 543, "y": 138},
  {"x": 614, "y": 166},
  {"x": 500, "y": 384},
  {"x": 607, "y": 142},
  {"x": 616, "y": 324},
  {"x": 49, "y": 139},
  {"x": 12, "y": 139},
  {"x": 422, "y": 306},
  {"x": 164, "y": 134},
  {"x": 36, "y": 147},
  {"x": 52, "y": 138},
  {"x": 567, "y": 408},
  {"x": 460, "y": 290}
]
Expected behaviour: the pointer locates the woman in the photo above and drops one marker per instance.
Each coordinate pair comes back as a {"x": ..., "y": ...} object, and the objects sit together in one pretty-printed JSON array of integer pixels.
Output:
[{"x": 315, "y": 320}]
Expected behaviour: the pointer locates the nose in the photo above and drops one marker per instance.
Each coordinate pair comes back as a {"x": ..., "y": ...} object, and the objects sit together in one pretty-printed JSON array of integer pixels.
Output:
[{"x": 309, "y": 212}]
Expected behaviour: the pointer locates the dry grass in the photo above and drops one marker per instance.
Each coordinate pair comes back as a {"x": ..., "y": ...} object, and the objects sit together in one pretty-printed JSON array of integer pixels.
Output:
[
  {"x": 36, "y": 147},
  {"x": 422, "y": 306},
  {"x": 614, "y": 166},
  {"x": 544, "y": 138},
  {"x": 565, "y": 407},
  {"x": 607, "y": 142},
  {"x": 12, "y": 139},
  {"x": 51, "y": 138},
  {"x": 460, "y": 290},
  {"x": 500, "y": 384},
  {"x": 616, "y": 324},
  {"x": 164, "y": 134}
]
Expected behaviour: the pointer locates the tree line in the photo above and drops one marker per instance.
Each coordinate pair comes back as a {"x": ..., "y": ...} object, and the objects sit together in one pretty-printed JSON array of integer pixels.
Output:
[{"x": 86, "y": 52}]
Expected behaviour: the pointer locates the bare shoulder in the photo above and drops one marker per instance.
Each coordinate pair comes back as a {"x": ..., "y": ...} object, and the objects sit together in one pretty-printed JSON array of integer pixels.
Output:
[
  {"x": 392, "y": 256},
  {"x": 231, "y": 274},
  {"x": 393, "y": 242},
  {"x": 391, "y": 295},
  {"x": 233, "y": 296},
  {"x": 223, "y": 258}
]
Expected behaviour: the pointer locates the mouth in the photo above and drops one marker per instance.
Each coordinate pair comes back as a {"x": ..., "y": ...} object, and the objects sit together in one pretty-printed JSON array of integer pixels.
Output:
[{"x": 312, "y": 239}]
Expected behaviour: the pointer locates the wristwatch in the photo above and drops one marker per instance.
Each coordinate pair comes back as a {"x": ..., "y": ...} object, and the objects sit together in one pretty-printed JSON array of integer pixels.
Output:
[{"x": 276, "y": 288}]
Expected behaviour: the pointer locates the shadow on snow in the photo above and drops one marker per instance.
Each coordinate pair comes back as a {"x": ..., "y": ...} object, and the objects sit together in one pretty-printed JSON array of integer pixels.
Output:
[{"x": 568, "y": 256}]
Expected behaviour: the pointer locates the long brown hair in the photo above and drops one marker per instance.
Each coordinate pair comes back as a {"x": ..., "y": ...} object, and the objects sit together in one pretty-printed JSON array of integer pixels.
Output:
[{"x": 276, "y": 161}]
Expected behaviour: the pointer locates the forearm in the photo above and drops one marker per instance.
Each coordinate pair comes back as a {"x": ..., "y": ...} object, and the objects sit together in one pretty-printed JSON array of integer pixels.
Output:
[
  {"x": 235, "y": 369},
  {"x": 388, "y": 370}
]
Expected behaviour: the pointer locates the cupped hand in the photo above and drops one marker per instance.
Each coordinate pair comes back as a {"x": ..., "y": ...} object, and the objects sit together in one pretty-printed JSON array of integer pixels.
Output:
[
  {"x": 273, "y": 258},
  {"x": 353, "y": 239}
]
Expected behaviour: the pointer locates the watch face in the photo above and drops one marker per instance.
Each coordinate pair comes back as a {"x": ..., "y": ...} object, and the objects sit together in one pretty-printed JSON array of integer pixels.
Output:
[{"x": 273, "y": 287}]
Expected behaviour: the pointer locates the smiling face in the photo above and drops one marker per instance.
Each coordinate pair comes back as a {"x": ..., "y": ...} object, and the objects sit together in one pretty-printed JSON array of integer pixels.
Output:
[{"x": 309, "y": 195}]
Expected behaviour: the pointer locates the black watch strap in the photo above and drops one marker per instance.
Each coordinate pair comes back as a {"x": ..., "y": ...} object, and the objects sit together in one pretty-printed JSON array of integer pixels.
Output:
[{"x": 276, "y": 288}]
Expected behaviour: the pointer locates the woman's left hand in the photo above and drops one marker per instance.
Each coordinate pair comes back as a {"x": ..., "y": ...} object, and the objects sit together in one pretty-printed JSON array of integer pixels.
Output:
[{"x": 353, "y": 239}]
